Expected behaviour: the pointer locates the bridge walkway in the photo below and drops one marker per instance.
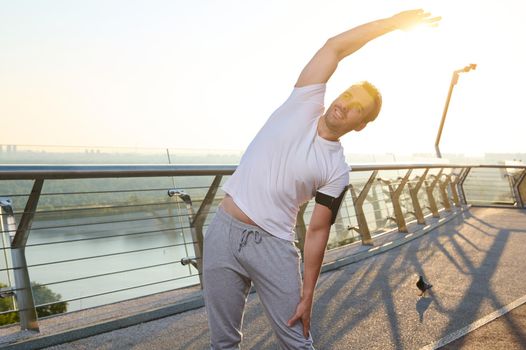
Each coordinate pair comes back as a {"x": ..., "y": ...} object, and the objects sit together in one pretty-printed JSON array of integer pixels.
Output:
[{"x": 475, "y": 263}]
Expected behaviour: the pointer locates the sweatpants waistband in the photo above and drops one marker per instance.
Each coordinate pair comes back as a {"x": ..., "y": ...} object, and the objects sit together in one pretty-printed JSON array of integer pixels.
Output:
[{"x": 222, "y": 215}]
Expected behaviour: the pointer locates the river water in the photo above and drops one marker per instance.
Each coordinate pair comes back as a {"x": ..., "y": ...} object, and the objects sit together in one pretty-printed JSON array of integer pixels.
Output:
[{"x": 64, "y": 253}]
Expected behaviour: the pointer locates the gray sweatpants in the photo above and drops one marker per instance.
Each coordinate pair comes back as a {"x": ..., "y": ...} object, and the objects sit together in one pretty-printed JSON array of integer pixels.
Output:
[{"x": 237, "y": 254}]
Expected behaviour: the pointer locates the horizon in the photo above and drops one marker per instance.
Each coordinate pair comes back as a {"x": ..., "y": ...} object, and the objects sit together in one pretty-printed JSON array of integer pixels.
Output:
[{"x": 162, "y": 152}]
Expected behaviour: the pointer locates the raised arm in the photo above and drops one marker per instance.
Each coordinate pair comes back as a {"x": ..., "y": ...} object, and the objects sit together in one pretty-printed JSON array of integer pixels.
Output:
[{"x": 321, "y": 67}]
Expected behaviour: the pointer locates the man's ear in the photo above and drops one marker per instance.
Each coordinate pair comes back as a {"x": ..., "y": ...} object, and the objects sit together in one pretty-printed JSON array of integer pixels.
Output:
[{"x": 361, "y": 126}]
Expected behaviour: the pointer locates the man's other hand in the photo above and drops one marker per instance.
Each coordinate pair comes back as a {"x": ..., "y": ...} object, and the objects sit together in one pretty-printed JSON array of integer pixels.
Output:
[{"x": 303, "y": 313}]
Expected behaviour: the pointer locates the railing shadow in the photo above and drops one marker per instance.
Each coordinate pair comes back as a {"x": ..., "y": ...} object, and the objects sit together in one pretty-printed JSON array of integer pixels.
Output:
[
  {"x": 346, "y": 303},
  {"x": 359, "y": 301},
  {"x": 480, "y": 289}
]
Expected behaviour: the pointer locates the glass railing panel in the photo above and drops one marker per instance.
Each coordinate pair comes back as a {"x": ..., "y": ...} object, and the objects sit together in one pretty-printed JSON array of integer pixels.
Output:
[
  {"x": 378, "y": 209},
  {"x": 488, "y": 186},
  {"x": 421, "y": 195},
  {"x": 385, "y": 204}
]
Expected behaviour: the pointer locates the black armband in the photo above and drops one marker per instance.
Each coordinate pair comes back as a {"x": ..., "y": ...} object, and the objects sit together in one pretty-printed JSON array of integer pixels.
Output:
[{"x": 332, "y": 203}]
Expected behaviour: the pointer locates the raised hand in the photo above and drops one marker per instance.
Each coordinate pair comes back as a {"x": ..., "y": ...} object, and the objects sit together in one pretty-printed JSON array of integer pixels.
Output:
[{"x": 407, "y": 20}]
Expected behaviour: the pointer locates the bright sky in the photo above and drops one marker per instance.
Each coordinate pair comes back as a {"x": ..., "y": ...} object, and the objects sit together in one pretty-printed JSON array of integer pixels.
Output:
[{"x": 208, "y": 73}]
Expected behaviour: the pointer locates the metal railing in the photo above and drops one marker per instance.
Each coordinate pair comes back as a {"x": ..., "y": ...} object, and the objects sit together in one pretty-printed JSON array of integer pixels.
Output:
[{"x": 120, "y": 232}]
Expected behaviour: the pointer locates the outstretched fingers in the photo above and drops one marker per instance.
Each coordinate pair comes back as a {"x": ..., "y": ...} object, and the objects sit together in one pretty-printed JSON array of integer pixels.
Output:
[
  {"x": 407, "y": 20},
  {"x": 432, "y": 21},
  {"x": 427, "y": 19}
]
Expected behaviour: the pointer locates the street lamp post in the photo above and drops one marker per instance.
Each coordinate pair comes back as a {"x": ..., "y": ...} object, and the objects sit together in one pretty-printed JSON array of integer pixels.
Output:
[{"x": 454, "y": 80}]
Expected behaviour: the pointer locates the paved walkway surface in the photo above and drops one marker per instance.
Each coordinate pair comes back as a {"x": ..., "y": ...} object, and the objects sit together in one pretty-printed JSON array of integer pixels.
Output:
[
  {"x": 475, "y": 263},
  {"x": 507, "y": 332}
]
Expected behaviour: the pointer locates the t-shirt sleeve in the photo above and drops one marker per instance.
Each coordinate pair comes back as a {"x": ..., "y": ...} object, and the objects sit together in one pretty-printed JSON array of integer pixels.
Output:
[
  {"x": 335, "y": 186},
  {"x": 311, "y": 93},
  {"x": 304, "y": 104}
]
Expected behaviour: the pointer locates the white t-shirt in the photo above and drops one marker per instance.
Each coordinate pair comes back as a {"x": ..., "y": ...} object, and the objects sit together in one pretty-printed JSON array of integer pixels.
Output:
[{"x": 286, "y": 163}]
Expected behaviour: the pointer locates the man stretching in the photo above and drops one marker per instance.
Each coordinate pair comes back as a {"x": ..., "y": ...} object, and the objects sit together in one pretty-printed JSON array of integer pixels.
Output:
[{"x": 296, "y": 156}]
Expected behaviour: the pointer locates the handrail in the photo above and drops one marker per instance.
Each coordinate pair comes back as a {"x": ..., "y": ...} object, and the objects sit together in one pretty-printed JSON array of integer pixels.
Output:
[
  {"x": 45, "y": 171},
  {"x": 31, "y": 172}
]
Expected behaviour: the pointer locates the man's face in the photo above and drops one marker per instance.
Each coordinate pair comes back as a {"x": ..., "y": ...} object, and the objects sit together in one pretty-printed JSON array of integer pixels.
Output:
[{"x": 350, "y": 110}]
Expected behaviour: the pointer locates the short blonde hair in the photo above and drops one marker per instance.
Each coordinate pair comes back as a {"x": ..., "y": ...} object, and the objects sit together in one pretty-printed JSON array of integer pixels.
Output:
[{"x": 377, "y": 97}]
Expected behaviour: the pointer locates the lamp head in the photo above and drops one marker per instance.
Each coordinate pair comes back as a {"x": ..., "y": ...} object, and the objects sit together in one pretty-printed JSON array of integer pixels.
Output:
[{"x": 470, "y": 67}]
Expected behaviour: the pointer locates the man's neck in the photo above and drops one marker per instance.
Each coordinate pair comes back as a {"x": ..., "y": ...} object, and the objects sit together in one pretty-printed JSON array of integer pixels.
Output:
[{"x": 325, "y": 132}]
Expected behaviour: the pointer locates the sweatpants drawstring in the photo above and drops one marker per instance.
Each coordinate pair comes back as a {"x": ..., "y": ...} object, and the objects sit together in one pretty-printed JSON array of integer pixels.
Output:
[{"x": 244, "y": 238}]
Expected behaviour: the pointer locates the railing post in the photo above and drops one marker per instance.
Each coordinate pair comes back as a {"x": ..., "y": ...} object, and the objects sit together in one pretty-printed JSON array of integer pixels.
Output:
[
  {"x": 202, "y": 213},
  {"x": 23, "y": 292},
  {"x": 196, "y": 221},
  {"x": 514, "y": 185},
  {"x": 187, "y": 200},
  {"x": 358, "y": 200},
  {"x": 521, "y": 189},
  {"x": 413, "y": 192},
  {"x": 395, "y": 199},
  {"x": 430, "y": 197},
  {"x": 442, "y": 186},
  {"x": 463, "y": 176},
  {"x": 7, "y": 230},
  {"x": 453, "y": 184}
]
